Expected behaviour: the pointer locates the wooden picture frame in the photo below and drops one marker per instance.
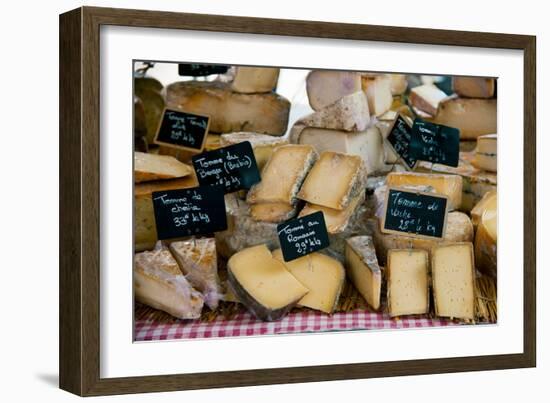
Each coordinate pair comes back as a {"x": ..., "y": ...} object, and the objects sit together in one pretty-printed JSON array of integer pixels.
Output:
[{"x": 79, "y": 280}]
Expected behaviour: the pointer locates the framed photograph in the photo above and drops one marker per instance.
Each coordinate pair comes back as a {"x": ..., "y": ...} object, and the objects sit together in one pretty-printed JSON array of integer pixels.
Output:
[{"x": 248, "y": 201}]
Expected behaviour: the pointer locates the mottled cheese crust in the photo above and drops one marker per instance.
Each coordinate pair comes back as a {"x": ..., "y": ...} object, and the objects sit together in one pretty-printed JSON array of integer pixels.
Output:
[
  {"x": 150, "y": 167},
  {"x": 335, "y": 220}
]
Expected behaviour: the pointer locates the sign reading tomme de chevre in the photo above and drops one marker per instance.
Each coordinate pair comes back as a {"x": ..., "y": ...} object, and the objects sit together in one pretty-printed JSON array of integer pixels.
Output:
[
  {"x": 302, "y": 236},
  {"x": 182, "y": 130}
]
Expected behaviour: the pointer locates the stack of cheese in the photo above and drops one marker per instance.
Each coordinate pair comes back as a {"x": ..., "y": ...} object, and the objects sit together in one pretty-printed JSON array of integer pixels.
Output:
[{"x": 148, "y": 107}]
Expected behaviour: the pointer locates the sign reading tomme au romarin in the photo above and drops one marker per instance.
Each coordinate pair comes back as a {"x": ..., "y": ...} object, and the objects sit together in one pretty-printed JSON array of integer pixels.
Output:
[
  {"x": 302, "y": 236},
  {"x": 182, "y": 130}
]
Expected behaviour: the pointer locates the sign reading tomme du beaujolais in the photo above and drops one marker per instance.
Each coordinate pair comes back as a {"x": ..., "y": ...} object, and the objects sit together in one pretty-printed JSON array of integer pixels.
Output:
[
  {"x": 302, "y": 236},
  {"x": 182, "y": 130},
  {"x": 435, "y": 143},
  {"x": 416, "y": 214}
]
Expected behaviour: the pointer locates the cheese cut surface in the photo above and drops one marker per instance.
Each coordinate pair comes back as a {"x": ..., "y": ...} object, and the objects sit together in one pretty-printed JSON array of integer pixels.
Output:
[
  {"x": 159, "y": 283},
  {"x": 408, "y": 282},
  {"x": 398, "y": 83},
  {"x": 283, "y": 175},
  {"x": 449, "y": 185},
  {"x": 198, "y": 261},
  {"x": 486, "y": 240},
  {"x": 325, "y": 87},
  {"x": 334, "y": 180},
  {"x": 486, "y": 153},
  {"x": 335, "y": 220},
  {"x": 473, "y": 117},
  {"x": 489, "y": 200},
  {"x": 263, "y": 284},
  {"x": 255, "y": 79},
  {"x": 272, "y": 212},
  {"x": 378, "y": 91},
  {"x": 230, "y": 111},
  {"x": 322, "y": 275},
  {"x": 453, "y": 280},
  {"x": 262, "y": 144},
  {"x": 426, "y": 98},
  {"x": 363, "y": 269},
  {"x": 150, "y": 167},
  {"x": 474, "y": 87}
]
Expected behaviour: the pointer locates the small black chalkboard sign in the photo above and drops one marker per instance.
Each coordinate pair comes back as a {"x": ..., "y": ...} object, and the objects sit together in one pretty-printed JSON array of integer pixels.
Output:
[
  {"x": 399, "y": 138},
  {"x": 234, "y": 167},
  {"x": 302, "y": 236},
  {"x": 435, "y": 143},
  {"x": 193, "y": 211},
  {"x": 201, "y": 70},
  {"x": 182, "y": 130},
  {"x": 418, "y": 214}
]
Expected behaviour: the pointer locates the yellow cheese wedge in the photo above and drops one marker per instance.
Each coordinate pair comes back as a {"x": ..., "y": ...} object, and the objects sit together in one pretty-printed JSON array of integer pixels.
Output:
[
  {"x": 150, "y": 167},
  {"x": 363, "y": 270},
  {"x": 486, "y": 239},
  {"x": 486, "y": 153},
  {"x": 408, "y": 288},
  {"x": 325, "y": 87},
  {"x": 398, "y": 83},
  {"x": 474, "y": 87},
  {"x": 335, "y": 220},
  {"x": 263, "y": 284},
  {"x": 262, "y": 144},
  {"x": 249, "y": 80},
  {"x": 453, "y": 280},
  {"x": 322, "y": 275},
  {"x": 272, "y": 212},
  {"x": 379, "y": 95},
  {"x": 489, "y": 200}
]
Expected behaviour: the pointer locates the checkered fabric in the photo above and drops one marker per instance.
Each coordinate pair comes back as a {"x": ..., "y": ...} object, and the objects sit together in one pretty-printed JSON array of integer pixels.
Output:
[{"x": 244, "y": 324}]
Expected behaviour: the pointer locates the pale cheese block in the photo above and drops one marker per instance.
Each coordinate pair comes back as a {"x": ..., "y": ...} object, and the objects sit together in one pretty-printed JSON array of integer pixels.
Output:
[
  {"x": 459, "y": 228},
  {"x": 334, "y": 180},
  {"x": 449, "y": 185},
  {"x": 336, "y": 221},
  {"x": 145, "y": 231},
  {"x": 473, "y": 117},
  {"x": 272, "y": 212},
  {"x": 363, "y": 269},
  {"x": 262, "y": 144},
  {"x": 198, "y": 261},
  {"x": 283, "y": 175},
  {"x": 322, "y": 275},
  {"x": 486, "y": 153},
  {"x": 398, "y": 84},
  {"x": 453, "y": 280},
  {"x": 426, "y": 98},
  {"x": 474, "y": 87},
  {"x": 379, "y": 94},
  {"x": 486, "y": 240},
  {"x": 367, "y": 144},
  {"x": 489, "y": 200},
  {"x": 159, "y": 283},
  {"x": 230, "y": 111},
  {"x": 263, "y": 284},
  {"x": 249, "y": 80},
  {"x": 325, "y": 87},
  {"x": 150, "y": 167},
  {"x": 349, "y": 113},
  {"x": 408, "y": 282}
]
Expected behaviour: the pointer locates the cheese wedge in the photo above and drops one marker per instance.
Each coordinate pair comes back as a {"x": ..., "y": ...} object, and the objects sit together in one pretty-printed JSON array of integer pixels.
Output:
[
  {"x": 453, "y": 280},
  {"x": 426, "y": 98},
  {"x": 159, "y": 283},
  {"x": 474, "y": 87},
  {"x": 363, "y": 270},
  {"x": 486, "y": 240},
  {"x": 199, "y": 263},
  {"x": 325, "y": 87},
  {"x": 263, "y": 284},
  {"x": 489, "y": 200},
  {"x": 408, "y": 288},
  {"x": 272, "y": 212},
  {"x": 148, "y": 90},
  {"x": 150, "y": 167},
  {"x": 230, "y": 111},
  {"x": 334, "y": 180},
  {"x": 379, "y": 94},
  {"x": 322, "y": 275},
  {"x": 249, "y": 80},
  {"x": 262, "y": 144},
  {"x": 283, "y": 175},
  {"x": 335, "y": 220},
  {"x": 449, "y": 185},
  {"x": 398, "y": 84},
  {"x": 486, "y": 153},
  {"x": 473, "y": 117}
]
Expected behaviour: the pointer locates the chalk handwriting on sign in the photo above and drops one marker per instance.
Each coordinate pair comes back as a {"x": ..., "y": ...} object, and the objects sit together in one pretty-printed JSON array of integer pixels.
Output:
[
  {"x": 194, "y": 211},
  {"x": 182, "y": 130},
  {"x": 302, "y": 236},
  {"x": 399, "y": 138},
  {"x": 435, "y": 143},
  {"x": 233, "y": 167},
  {"x": 417, "y": 214}
]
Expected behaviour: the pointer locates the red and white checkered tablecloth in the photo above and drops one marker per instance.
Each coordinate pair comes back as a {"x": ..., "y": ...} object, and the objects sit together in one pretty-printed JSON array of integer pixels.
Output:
[{"x": 244, "y": 324}]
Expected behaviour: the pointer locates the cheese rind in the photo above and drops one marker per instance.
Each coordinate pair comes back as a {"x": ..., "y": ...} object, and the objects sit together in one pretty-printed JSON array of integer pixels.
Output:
[
  {"x": 399, "y": 84},
  {"x": 408, "y": 286},
  {"x": 150, "y": 167},
  {"x": 325, "y": 87},
  {"x": 486, "y": 153},
  {"x": 453, "y": 280},
  {"x": 283, "y": 175},
  {"x": 159, "y": 283},
  {"x": 197, "y": 259},
  {"x": 336, "y": 221},
  {"x": 230, "y": 111},
  {"x": 272, "y": 212},
  {"x": 249, "y": 80},
  {"x": 363, "y": 269},
  {"x": 378, "y": 90},
  {"x": 322, "y": 275},
  {"x": 426, "y": 98},
  {"x": 263, "y": 284},
  {"x": 486, "y": 240},
  {"x": 334, "y": 180},
  {"x": 262, "y": 144},
  {"x": 474, "y": 87},
  {"x": 489, "y": 200}
]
